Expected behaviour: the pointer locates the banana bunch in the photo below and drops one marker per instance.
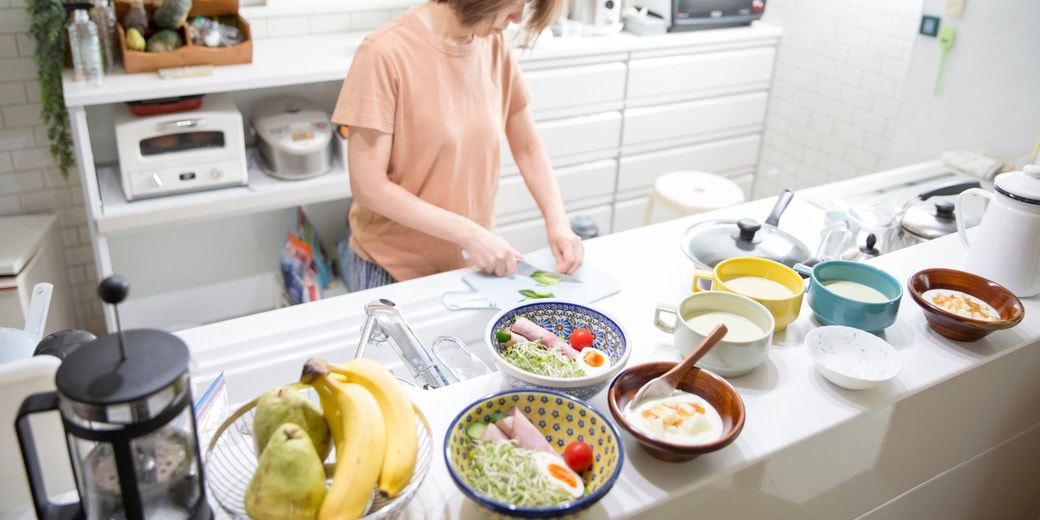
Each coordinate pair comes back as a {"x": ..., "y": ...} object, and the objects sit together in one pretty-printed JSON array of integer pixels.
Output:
[{"x": 372, "y": 423}]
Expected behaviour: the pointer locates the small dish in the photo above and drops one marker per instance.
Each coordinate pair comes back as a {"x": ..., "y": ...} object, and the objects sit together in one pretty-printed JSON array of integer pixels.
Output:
[
  {"x": 852, "y": 358},
  {"x": 953, "y": 325}
]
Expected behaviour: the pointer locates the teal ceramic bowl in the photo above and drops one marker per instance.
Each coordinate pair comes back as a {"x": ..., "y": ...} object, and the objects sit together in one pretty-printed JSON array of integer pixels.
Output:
[
  {"x": 562, "y": 419},
  {"x": 852, "y": 294}
]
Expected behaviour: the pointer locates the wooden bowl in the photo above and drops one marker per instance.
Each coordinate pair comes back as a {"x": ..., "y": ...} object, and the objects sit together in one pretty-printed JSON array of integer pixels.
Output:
[
  {"x": 956, "y": 326},
  {"x": 712, "y": 388}
]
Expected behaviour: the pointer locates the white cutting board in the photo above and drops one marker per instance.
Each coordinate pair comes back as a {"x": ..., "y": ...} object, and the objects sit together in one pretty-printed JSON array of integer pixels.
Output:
[{"x": 491, "y": 291}]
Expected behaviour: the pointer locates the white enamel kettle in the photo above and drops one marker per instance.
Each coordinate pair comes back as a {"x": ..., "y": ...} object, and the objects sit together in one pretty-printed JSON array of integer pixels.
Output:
[{"x": 1006, "y": 245}]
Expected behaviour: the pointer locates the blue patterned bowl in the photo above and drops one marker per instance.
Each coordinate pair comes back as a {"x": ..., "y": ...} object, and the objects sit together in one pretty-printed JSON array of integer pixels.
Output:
[
  {"x": 561, "y": 317},
  {"x": 562, "y": 419}
]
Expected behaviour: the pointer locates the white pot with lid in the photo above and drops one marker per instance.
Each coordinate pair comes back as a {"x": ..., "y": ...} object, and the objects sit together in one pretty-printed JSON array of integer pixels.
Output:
[{"x": 1007, "y": 243}]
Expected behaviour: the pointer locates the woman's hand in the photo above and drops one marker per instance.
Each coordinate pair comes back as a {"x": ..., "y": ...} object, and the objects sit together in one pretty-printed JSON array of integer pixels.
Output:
[
  {"x": 567, "y": 248},
  {"x": 490, "y": 253}
]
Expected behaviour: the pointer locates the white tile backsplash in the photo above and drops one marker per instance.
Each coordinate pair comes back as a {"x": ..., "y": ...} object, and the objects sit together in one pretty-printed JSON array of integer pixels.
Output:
[{"x": 840, "y": 69}]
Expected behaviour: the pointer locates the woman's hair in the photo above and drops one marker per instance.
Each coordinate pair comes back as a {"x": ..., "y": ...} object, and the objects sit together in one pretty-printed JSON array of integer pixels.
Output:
[{"x": 538, "y": 14}]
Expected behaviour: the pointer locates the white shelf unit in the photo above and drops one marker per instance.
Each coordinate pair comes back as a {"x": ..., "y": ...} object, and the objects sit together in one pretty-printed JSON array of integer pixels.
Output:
[{"x": 607, "y": 125}]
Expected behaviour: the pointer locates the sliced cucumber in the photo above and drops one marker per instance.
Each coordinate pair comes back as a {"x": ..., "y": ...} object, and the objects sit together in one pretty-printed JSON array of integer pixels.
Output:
[
  {"x": 475, "y": 430},
  {"x": 502, "y": 336},
  {"x": 495, "y": 417}
]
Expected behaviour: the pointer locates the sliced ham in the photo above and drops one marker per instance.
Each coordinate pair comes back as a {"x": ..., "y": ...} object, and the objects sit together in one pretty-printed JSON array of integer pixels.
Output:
[
  {"x": 492, "y": 433},
  {"x": 505, "y": 425},
  {"x": 534, "y": 332},
  {"x": 527, "y": 435}
]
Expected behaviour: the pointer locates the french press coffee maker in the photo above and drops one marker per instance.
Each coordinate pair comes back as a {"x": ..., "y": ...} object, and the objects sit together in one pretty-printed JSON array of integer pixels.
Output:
[{"x": 126, "y": 408}]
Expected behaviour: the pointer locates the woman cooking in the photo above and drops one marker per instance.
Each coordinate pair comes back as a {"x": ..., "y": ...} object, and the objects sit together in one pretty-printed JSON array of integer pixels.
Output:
[{"x": 427, "y": 98}]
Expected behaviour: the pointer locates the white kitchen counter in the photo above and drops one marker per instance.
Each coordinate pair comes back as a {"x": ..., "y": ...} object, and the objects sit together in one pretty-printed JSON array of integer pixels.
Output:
[
  {"x": 956, "y": 433},
  {"x": 789, "y": 404}
]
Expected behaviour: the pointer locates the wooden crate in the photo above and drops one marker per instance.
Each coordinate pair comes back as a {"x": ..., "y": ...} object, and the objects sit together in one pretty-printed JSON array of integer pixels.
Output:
[{"x": 189, "y": 54}]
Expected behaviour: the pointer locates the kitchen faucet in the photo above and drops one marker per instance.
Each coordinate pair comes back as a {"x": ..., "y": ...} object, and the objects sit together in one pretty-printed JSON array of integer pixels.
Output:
[{"x": 386, "y": 324}]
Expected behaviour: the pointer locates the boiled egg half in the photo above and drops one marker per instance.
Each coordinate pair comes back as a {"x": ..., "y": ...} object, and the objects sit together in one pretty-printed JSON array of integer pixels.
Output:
[
  {"x": 593, "y": 361},
  {"x": 559, "y": 474}
]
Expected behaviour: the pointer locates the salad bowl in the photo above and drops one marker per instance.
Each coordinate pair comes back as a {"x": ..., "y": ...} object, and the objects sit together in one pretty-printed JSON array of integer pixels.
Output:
[
  {"x": 561, "y": 419},
  {"x": 561, "y": 318}
]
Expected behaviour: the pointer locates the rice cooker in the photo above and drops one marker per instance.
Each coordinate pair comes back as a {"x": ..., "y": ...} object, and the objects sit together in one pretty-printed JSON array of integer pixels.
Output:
[{"x": 294, "y": 137}]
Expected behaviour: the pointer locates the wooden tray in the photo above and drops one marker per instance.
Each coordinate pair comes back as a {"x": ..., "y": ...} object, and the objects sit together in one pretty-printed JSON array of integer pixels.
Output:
[{"x": 189, "y": 54}]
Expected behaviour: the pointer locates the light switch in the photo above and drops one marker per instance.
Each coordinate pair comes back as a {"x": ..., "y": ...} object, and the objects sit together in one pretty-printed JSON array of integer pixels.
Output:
[
  {"x": 929, "y": 25},
  {"x": 954, "y": 8}
]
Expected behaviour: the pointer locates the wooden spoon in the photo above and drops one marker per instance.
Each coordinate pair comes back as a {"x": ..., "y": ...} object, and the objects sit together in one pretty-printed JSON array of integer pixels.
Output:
[{"x": 664, "y": 384}]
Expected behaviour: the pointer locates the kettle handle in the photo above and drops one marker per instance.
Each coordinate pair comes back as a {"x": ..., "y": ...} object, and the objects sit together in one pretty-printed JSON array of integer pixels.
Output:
[
  {"x": 45, "y": 509},
  {"x": 959, "y": 211}
]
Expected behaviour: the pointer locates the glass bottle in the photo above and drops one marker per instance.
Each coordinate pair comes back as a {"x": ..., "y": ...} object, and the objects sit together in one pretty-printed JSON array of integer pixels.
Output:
[{"x": 86, "y": 49}]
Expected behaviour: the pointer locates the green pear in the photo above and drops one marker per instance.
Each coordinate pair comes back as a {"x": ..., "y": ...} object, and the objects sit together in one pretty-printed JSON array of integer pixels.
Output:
[
  {"x": 289, "y": 482},
  {"x": 286, "y": 404}
]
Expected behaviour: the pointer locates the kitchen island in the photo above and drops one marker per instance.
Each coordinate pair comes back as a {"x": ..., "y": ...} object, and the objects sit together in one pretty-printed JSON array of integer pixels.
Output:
[{"x": 955, "y": 435}]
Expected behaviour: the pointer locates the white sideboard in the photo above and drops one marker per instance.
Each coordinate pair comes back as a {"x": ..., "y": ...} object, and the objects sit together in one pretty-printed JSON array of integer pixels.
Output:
[{"x": 614, "y": 113}]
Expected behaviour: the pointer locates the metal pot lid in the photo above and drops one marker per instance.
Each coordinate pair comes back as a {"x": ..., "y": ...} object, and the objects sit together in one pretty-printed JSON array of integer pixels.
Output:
[
  {"x": 710, "y": 242},
  {"x": 930, "y": 220},
  {"x": 1023, "y": 186}
]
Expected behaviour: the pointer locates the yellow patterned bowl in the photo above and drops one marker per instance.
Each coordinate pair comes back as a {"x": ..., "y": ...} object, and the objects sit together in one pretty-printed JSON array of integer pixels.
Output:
[{"x": 562, "y": 419}]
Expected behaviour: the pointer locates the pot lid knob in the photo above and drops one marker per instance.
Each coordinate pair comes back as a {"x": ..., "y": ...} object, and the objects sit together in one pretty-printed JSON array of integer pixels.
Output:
[
  {"x": 748, "y": 228},
  {"x": 944, "y": 210},
  {"x": 864, "y": 252}
]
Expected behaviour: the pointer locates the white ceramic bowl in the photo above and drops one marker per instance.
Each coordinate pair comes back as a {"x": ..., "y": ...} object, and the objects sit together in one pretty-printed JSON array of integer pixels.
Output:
[{"x": 852, "y": 358}]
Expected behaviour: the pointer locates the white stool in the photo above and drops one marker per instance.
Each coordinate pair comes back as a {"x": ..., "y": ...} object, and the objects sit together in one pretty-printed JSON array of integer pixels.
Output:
[{"x": 691, "y": 192}]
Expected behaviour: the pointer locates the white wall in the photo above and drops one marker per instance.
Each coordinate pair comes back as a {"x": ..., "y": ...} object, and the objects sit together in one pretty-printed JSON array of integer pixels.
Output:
[
  {"x": 989, "y": 95},
  {"x": 836, "y": 93},
  {"x": 853, "y": 87}
]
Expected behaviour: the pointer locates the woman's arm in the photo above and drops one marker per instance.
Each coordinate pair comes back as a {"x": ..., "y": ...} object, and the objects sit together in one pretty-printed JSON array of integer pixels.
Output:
[
  {"x": 537, "y": 172},
  {"x": 369, "y": 157}
]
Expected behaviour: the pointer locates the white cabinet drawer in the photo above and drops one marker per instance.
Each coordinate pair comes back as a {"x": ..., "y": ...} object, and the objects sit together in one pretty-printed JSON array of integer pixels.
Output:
[
  {"x": 529, "y": 235},
  {"x": 697, "y": 75},
  {"x": 574, "y": 86},
  {"x": 730, "y": 155},
  {"x": 575, "y": 135},
  {"x": 695, "y": 119},
  {"x": 576, "y": 182},
  {"x": 628, "y": 214}
]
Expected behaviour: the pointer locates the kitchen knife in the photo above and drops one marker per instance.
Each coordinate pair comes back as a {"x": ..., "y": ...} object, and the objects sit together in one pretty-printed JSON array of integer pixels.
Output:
[{"x": 525, "y": 268}]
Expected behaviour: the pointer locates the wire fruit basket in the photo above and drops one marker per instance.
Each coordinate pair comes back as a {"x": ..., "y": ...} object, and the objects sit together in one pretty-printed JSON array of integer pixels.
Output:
[{"x": 231, "y": 460}]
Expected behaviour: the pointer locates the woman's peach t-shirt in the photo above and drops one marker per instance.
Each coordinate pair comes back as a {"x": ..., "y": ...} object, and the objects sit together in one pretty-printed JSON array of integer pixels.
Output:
[{"x": 446, "y": 106}]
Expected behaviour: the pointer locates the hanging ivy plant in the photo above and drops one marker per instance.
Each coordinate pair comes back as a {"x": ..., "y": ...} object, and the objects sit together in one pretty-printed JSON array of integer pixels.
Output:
[{"x": 48, "y": 28}]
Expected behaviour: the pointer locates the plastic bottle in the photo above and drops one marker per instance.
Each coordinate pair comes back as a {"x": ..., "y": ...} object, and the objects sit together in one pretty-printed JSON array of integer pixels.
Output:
[
  {"x": 86, "y": 49},
  {"x": 104, "y": 16}
]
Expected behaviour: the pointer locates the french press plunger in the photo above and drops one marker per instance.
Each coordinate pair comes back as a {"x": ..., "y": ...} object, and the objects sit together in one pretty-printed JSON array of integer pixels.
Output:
[{"x": 126, "y": 407}]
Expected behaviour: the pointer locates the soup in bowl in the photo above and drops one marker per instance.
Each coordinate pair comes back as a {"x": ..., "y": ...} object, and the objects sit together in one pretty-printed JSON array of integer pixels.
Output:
[{"x": 774, "y": 285}]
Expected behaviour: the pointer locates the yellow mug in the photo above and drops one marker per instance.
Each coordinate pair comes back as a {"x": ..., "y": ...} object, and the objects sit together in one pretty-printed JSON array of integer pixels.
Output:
[{"x": 776, "y": 286}]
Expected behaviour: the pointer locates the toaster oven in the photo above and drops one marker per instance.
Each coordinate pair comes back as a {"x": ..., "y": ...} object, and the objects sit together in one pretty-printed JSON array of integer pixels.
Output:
[
  {"x": 181, "y": 152},
  {"x": 689, "y": 15}
]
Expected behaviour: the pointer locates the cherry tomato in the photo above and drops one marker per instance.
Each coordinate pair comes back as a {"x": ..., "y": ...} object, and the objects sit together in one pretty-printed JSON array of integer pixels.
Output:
[
  {"x": 581, "y": 338},
  {"x": 578, "y": 456}
]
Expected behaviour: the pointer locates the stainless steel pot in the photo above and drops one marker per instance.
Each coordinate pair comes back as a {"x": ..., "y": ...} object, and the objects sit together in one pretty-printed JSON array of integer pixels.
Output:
[
  {"x": 918, "y": 220},
  {"x": 712, "y": 241}
]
